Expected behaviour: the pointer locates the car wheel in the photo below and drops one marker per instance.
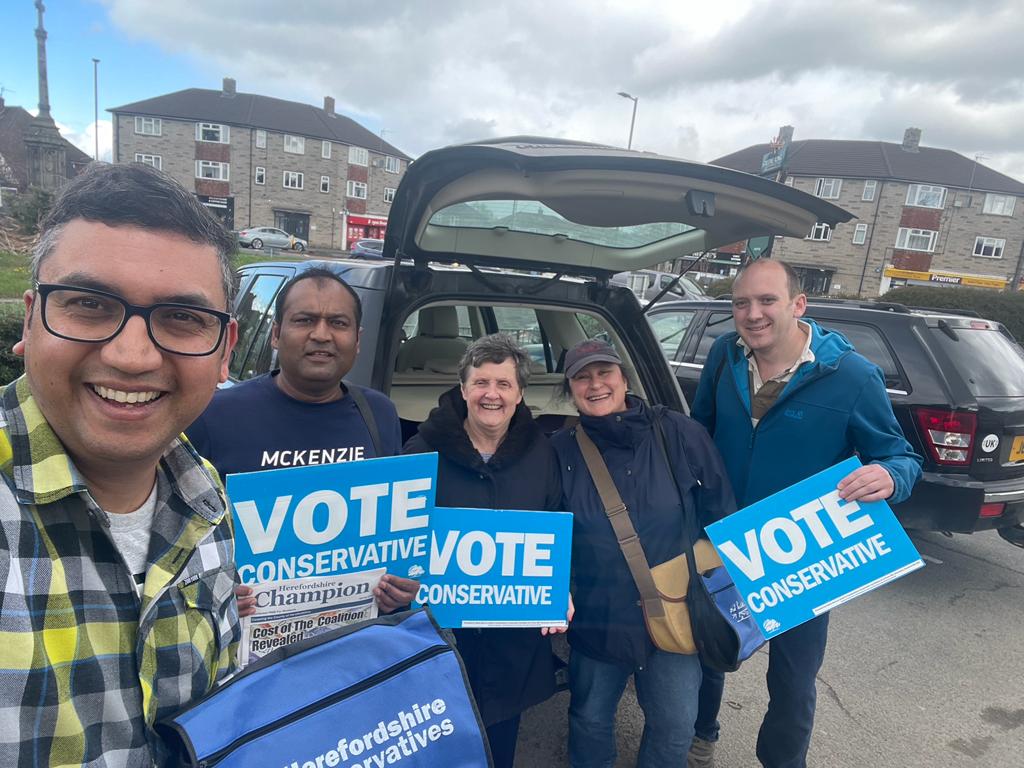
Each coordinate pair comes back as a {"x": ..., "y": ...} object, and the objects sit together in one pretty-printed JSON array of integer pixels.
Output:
[
  {"x": 257, "y": 243},
  {"x": 299, "y": 247},
  {"x": 1013, "y": 534}
]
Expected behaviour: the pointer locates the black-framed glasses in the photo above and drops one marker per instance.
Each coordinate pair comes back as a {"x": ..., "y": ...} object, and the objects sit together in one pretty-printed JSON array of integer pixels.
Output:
[{"x": 84, "y": 314}]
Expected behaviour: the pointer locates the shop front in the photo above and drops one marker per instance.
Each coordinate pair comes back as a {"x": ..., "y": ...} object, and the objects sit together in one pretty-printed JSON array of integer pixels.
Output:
[
  {"x": 357, "y": 227},
  {"x": 897, "y": 278}
]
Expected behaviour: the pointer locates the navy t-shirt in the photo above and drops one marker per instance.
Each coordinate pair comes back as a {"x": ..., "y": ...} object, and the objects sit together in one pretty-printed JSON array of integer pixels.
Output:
[{"x": 254, "y": 426}]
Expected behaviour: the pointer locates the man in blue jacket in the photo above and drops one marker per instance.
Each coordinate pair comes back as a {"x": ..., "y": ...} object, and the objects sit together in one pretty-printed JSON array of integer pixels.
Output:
[{"x": 784, "y": 399}]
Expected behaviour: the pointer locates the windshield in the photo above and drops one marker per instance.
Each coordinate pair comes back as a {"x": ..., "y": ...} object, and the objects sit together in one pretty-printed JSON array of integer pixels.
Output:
[
  {"x": 991, "y": 362},
  {"x": 534, "y": 217}
]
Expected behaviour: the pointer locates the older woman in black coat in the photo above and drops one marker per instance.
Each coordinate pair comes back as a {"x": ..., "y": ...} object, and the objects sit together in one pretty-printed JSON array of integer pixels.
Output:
[{"x": 492, "y": 455}]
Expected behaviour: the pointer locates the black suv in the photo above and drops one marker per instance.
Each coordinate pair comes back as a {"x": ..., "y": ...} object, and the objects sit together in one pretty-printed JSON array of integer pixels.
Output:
[{"x": 956, "y": 385}]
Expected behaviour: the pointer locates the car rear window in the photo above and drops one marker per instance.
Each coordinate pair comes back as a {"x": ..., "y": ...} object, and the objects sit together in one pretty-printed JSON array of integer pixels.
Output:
[{"x": 990, "y": 362}]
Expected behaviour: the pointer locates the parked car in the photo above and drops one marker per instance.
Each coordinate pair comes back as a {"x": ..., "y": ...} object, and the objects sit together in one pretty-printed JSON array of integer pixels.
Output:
[
  {"x": 523, "y": 235},
  {"x": 648, "y": 283},
  {"x": 272, "y": 237},
  {"x": 956, "y": 384},
  {"x": 367, "y": 249}
]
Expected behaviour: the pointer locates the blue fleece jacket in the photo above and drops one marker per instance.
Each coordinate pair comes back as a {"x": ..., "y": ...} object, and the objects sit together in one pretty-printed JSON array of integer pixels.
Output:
[{"x": 832, "y": 408}]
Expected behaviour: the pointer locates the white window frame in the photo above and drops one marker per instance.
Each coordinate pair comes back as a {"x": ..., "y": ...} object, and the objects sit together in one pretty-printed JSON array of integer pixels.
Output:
[
  {"x": 997, "y": 246},
  {"x": 392, "y": 164},
  {"x": 905, "y": 236},
  {"x": 325, "y": 184},
  {"x": 223, "y": 170},
  {"x": 353, "y": 188},
  {"x": 999, "y": 205},
  {"x": 325, "y": 149},
  {"x": 916, "y": 195},
  {"x": 870, "y": 190},
  {"x": 154, "y": 160},
  {"x": 260, "y": 175},
  {"x": 261, "y": 139},
  {"x": 860, "y": 234},
  {"x": 155, "y": 126},
  {"x": 820, "y": 232},
  {"x": 294, "y": 145},
  {"x": 828, "y": 189},
  {"x": 223, "y": 133},
  {"x": 298, "y": 179},
  {"x": 358, "y": 156},
  {"x": 389, "y": 194}
]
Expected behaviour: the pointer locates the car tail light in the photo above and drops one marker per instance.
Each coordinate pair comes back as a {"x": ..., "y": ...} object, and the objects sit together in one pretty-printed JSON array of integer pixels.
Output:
[
  {"x": 949, "y": 435},
  {"x": 992, "y": 510}
]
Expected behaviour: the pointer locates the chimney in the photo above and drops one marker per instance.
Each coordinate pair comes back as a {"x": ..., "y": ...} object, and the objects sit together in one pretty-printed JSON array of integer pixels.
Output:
[
  {"x": 786, "y": 134},
  {"x": 228, "y": 90},
  {"x": 329, "y": 105},
  {"x": 911, "y": 139}
]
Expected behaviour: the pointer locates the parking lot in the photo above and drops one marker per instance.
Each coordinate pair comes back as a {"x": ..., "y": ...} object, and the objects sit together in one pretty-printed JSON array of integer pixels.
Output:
[{"x": 923, "y": 673}]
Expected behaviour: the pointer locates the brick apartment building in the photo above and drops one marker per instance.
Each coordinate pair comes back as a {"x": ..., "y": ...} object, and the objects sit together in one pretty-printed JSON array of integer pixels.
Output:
[
  {"x": 259, "y": 161},
  {"x": 924, "y": 215}
]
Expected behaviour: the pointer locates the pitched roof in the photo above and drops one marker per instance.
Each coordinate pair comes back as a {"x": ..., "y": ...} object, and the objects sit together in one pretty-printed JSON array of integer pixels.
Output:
[
  {"x": 254, "y": 111},
  {"x": 878, "y": 160},
  {"x": 15, "y": 122}
]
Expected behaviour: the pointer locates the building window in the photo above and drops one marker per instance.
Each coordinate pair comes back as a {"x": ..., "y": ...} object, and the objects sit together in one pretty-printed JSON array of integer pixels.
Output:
[
  {"x": 212, "y": 132},
  {"x": 261, "y": 139},
  {"x": 356, "y": 189},
  {"x": 860, "y": 234},
  {"x": 916, "y": 239},
  {"x": 295, "y": 145},
  {"x": 926, "y": 196},
  {"x": 828, "y": 188},
  {"x": 149, "y": 126},
  {"x": 325, "y": 183},
  {"x": 392, "y": 164},
  {"x": 292, "y": 180},
  {"x": 789, "y": 181},
  {"x": 989, "y": 247},
  {"x": 358, "y": 156},
  {"x": 869, "y": 190},
  {"x": 998, "y": 205},
  {"x": 325, "y": 150},
  {"x": 208, "y": 169},
  {"x": 820, "y": 231},
  {"x": 389, "y": 194},
  {"x": 153, "y": 160},
  {"x": 261, "y": 175}
]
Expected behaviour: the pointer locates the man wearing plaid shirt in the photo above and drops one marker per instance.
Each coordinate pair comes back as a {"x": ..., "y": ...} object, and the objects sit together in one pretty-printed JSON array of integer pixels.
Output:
[{"x": 116, "y": 555}]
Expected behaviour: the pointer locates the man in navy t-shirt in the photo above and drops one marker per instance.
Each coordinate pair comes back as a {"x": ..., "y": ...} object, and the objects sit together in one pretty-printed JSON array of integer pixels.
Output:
[{"x": 302, "y": 414}]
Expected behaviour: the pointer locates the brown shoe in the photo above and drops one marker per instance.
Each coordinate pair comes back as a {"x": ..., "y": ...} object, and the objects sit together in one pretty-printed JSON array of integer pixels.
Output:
[{"x": 702, "y": 754}]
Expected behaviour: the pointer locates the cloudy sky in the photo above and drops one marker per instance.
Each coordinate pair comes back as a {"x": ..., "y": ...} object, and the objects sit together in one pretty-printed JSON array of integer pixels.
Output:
[{"x": 710, "y": 77}]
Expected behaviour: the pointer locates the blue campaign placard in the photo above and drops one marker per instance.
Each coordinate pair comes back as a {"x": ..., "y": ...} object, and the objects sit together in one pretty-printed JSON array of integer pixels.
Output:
[
  {"x": 498, "y": 568},
  {"x": 334, "y": 518},
  {"x": 803, "y": 551}
]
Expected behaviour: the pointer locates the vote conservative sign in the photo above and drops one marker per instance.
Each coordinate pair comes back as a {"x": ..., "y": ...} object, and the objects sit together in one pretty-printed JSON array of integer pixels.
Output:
[
  {"x": 478, "y": 567},
  {"x": 803, "y": 551}
]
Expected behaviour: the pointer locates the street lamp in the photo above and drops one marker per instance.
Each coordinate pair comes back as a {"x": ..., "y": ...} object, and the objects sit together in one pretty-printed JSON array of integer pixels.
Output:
[
  {"x": 632, "y": 120},
  {"x": 96, "y": 105}
]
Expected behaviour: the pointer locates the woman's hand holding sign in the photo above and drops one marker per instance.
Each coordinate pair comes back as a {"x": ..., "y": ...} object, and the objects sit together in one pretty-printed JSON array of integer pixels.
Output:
[{"x": 568, "y": 620}]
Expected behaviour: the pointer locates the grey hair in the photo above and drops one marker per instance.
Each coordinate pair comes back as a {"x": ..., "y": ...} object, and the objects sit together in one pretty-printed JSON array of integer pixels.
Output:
[
  {"x": 496, "y": 348},
  {"x": 135, "y": 195}
]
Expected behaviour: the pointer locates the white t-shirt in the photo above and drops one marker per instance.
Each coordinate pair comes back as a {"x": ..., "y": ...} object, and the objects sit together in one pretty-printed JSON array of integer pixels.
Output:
[{"x": 130, "y": 532}]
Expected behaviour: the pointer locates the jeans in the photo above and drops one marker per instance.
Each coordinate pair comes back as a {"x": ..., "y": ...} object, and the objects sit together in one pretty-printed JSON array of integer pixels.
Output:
[
  {"x": 666, "y": 689},
  {"x": 794, "y": 659}
]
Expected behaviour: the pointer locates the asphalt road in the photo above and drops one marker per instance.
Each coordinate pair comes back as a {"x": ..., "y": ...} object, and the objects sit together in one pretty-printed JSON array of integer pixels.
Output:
[{"x": 927, "y": 672}]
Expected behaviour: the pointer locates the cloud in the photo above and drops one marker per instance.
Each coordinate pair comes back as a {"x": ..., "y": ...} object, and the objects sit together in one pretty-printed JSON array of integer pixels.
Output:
[
  {"x": 85, "y": 139},
  {"x": 711, "y": 78}
]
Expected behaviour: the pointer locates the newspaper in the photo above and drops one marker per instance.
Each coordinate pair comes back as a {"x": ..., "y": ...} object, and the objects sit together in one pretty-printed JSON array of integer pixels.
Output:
[{"x": 294, "y": 609}]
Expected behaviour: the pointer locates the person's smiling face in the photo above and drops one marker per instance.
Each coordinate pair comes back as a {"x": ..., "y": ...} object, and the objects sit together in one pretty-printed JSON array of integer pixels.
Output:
[
  {"x": 492, "y": 392},
  {"x": 763, "y": 309},
  {"x": 599, "y": 389},
  {"x": 122, "y": 401}
]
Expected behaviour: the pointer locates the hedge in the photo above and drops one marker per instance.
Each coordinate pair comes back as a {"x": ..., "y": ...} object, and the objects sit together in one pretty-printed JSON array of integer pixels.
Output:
[
  {"x": 11, "y": 365},
  {"x": 1002, "y": 306}
]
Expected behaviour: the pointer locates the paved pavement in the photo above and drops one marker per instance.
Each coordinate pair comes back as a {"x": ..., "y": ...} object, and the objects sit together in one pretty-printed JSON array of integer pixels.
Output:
[{"x": 923, "y": 673}]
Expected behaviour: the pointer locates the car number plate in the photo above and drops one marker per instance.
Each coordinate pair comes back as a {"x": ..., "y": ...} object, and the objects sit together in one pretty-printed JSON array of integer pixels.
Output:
[{"x": 1017, "y": 449}]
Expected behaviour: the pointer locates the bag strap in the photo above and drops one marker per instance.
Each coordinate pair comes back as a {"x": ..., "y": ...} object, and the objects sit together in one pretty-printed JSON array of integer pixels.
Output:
[
  {"x": 618, "y": 516},
  {"x": 356, "y": 392},
  {"x": 714, "y": 393}
]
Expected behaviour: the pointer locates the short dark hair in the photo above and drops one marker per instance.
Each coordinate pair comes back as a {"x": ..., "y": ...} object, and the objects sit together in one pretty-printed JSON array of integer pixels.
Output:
[
  {"x": 135, "y": 195},
  {"x": 792, "y": 278},
  {"x": 496, "y": 348},
  {"x": 319, "y": 274}
]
